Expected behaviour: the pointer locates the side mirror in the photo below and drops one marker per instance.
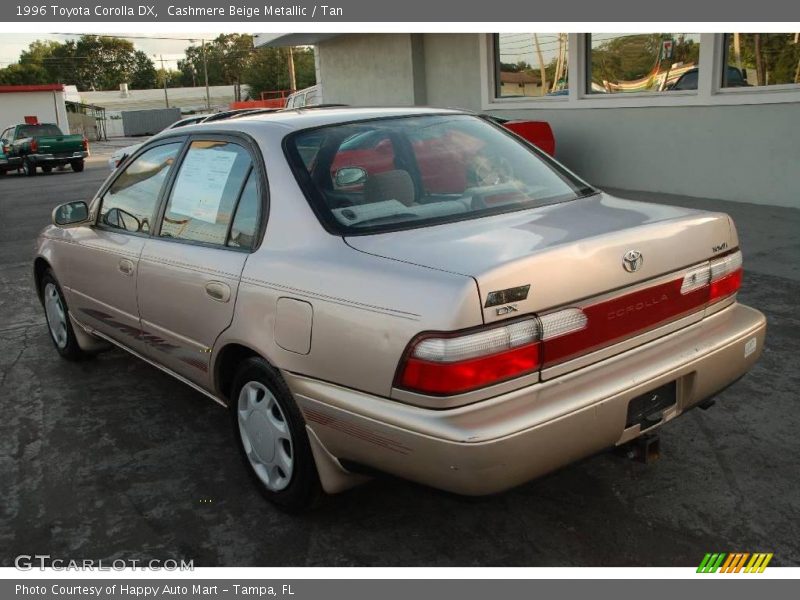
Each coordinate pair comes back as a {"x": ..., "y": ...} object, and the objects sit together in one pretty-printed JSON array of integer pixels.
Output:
[
  {"x": 71, "y": 214},
  {"x": 347, "y": 176}
]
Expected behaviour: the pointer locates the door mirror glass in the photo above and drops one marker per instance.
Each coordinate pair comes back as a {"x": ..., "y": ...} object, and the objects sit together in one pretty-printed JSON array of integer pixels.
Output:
[
  {"x": 122, "y": 219},
  {"x": 347, "y": 176},
  {"x": 71, "y": 214}
]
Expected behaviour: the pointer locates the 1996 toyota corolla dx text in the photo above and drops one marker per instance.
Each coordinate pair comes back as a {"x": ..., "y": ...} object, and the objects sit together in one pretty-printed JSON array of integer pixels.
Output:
[{"x": 411, "y": 291}]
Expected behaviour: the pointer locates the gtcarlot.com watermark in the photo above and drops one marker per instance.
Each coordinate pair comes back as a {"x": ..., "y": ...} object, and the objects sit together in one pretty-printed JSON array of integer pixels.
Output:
[{"x": 29, "y": 562}]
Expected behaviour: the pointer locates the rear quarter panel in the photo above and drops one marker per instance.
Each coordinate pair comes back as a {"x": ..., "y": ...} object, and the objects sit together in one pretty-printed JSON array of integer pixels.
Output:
[{"x": 365, "y": 308}]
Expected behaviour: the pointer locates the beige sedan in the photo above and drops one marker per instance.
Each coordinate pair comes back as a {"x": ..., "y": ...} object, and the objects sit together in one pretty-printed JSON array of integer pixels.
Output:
[{"x": 410, "y": 291}]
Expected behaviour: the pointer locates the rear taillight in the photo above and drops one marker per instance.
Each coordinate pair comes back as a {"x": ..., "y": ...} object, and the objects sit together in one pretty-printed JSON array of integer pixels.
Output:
[
  {"x": 85, "y": 144},
  {"x": 442, "y": 364},
  {"x": 446, "y": 364},
  {"x": 34, "y": 145},
  {"x": 717, "y": 280}
]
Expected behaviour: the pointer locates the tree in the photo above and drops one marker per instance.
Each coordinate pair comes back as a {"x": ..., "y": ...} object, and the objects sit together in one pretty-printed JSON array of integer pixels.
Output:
[
  {"x": 91, "y": 63},
  {"x": 144, "y": 76},
  {"x": 173, "y": 78},
  {"x": 227, "y": 57},
  {"x": 268, "y": 70},
  {"x": 23, "y": 74}
]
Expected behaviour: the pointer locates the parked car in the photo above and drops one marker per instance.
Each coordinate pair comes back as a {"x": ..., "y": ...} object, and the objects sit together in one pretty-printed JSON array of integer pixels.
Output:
[
  {"x": 538, "y": 133},
  {"x": 688, "y": 80},
  {"x": 119, "y": 156},
  {"x": 7, "y": 163},
  {"x": 356, "y": 322},
  {"x": 44, "y": 146},
  {"x": 310, "y": 96}
]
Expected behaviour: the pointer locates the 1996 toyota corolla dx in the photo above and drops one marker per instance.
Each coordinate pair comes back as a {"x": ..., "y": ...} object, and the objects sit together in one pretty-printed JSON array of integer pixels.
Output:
[{"x": 412, "y": 291}]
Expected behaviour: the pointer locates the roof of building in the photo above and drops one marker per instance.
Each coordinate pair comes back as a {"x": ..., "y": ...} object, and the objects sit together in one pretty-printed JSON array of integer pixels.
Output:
[
  {"x": 45, "y": 87},
  {"x": 291, "y": 39},
  {"x": 185, "y": 98},
  {"x": 519, "y": 77}
]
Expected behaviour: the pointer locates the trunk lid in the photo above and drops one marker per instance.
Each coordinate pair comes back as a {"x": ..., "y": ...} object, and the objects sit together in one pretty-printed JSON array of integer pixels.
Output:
[{"x": 566, "y": 252}]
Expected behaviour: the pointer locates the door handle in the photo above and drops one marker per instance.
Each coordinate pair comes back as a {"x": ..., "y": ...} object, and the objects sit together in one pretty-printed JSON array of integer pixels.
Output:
[
  {"x": 126, "y": 267},
  {"x": 216, "y": 290}
]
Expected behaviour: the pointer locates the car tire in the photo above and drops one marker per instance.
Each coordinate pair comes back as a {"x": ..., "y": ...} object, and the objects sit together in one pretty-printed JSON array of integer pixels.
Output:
[
  {"x": 57, "y": 315},
  {"x": 2, "y": 172},
  {"x": 77, "y": 165},
  {"x": 272, "y": 438},
  {"x": 47, "y": 169},
  {"x": 29, "y": 167}
]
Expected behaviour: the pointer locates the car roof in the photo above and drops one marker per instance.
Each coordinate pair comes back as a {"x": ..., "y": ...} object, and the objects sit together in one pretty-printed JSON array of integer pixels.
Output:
[{"x": 307, "y": 117}]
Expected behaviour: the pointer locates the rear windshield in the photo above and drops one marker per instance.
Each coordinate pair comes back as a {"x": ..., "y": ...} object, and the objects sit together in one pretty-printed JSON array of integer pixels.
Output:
[
  {"x": 26, "y": 131},
  {"x": 401, "y": 173}
]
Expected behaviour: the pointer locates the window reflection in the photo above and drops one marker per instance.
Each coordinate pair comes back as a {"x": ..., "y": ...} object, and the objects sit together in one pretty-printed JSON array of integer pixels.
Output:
[
  {"x": 762, "y": 59},
  {"x": 531, "y": 64},
  {"x": 642, "y": 62}
]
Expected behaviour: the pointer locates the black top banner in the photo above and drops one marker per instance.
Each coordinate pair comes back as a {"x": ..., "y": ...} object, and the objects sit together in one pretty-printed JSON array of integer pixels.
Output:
[{"x": 342, "y": 11}]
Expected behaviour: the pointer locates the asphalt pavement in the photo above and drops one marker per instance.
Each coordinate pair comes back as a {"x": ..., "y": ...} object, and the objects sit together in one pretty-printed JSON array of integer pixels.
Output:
[{"x": 110, "y": 458}]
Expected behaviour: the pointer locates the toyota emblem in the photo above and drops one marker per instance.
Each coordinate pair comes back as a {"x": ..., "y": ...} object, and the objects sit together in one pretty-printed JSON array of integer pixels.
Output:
[{"x": 632, "y": 260}]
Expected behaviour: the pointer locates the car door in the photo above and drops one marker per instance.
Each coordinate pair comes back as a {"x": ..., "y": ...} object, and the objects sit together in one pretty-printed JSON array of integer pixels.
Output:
[
  {"x": 190, "y": 268},
  {"x": 103, "y": 259}
]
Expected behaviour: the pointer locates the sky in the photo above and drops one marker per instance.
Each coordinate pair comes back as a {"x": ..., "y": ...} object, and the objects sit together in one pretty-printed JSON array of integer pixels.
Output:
[{"x": 11, "y": 44}]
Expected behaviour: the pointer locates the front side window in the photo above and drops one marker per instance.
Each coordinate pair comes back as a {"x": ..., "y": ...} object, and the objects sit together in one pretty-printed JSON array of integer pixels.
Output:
[
  {"x": 130, "y": 202},
  {"x": 761, "y": 59},
  {"x": 205, "y": 193},
  {"x": 399, "y": 173},
  {"x": 531, "y": 64},
  {"x": 620, "y": 63}
]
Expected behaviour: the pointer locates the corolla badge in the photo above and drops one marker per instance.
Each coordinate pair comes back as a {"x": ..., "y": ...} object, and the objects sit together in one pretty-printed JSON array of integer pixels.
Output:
[{"x": 632, "y": 260}]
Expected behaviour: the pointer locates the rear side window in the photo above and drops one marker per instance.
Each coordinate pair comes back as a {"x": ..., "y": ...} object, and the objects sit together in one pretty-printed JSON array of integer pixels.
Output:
[
  {"x": 131, "y": 200},
  {"x": 26, "y": 131},
  {"x": 245, "y": 223},
  {"x": 206, "y": 190}
]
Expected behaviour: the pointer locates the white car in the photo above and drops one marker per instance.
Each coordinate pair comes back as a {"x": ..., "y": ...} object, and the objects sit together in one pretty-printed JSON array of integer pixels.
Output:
[
  {"x": 309, "y": 96},
  {"x": 122, "y": 153}
]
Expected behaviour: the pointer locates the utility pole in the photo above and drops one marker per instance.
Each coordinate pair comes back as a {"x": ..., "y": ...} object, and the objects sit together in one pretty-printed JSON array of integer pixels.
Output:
[
  {"x": 542, "y": 70},
  {"x": 292, "y": 78},
  {"x": 164, "y": 76},
  {"x": 205, "y": 74}
]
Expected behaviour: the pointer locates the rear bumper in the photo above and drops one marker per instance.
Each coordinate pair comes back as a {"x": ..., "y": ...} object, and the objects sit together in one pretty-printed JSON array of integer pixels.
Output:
[
  {"x": 60, "y": 159},
  {"x": 9, "y": 162},
  {"x": 507, "y": 440}
]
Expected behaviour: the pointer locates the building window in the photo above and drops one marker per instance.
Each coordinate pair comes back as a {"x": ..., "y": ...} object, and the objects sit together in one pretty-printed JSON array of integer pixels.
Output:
[
  {"x": 620, "y": 63},
  {"x": 761, "y": 59},
  {"x": 530, "y": 64}
]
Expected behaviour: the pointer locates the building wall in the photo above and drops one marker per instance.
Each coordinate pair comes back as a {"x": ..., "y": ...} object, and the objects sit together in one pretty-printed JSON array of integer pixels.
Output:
[
  {"x": 368, "y": 70},
  {"x": 450, "y": 74},
  {"x": 743, "y": 152},
  {"x": 48, "y": 107},
  {"x": 747, "y": 153}
]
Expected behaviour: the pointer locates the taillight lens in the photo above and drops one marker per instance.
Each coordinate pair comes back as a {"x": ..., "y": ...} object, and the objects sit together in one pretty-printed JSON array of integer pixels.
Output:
[
  {"x": 34, "y": 145},
  {"x": 454, "y": 364},
  {"x": 85, "y": 144},
  {"x": 717, "y": 280},
  {"x": 442, "y": 364}
]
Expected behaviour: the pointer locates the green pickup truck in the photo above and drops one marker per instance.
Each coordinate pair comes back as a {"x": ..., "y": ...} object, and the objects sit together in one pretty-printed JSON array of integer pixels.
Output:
[{"x": 42, "y": 145}]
